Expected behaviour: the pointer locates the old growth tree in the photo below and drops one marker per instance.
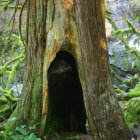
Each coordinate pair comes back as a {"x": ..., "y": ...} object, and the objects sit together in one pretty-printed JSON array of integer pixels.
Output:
[{"x": 68, "y": 35}]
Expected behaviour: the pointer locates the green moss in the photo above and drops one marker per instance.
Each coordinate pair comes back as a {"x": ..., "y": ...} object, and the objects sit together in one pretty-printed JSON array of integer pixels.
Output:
[
  {"x": 117, "y": 33},
  {"x": 132, "y": 114},
  {"x": 2, "y": 137},
  {"x": 136, "y": 57},
  {"x": 126, "y": 63},
  {"x": 118, "y": 90},
  {"x": 125, "y": 81},
  {"x": 110, "y": 19},
  {"x": 6, "y": 112},
  {"x": 137, "y": 62},
  {"x": 136, "y": 91},
  {"x": 130, "y": 82},
  {"x": 53, "y": 124},
  {"x": 122, "y": 34},
  {"x": 12, "y": 74},
  {"x": 3, "y": 101}
]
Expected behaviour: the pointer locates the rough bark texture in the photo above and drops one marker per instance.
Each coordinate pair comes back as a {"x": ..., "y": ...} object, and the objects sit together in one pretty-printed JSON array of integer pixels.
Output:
[
  {"x": 105, "y": 115},
  {"x": 29, "y": 108},
  {"x": 77, "y": 27}
]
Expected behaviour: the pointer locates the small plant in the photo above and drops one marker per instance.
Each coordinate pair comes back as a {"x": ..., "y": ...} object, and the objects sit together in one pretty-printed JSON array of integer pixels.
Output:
[{"x": 23, "y": 133}]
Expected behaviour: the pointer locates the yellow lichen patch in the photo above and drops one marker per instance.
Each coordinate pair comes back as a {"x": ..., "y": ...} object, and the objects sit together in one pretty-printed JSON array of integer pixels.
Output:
[
  {"x": 54, "y": 48},
  {"x": 46, "y": 93},
  {"x": 72, "y": 41},
  {"x": 103, "y": 44},
  {"x": 102, "y": 9},
  {"x": 44, "y": 108}
]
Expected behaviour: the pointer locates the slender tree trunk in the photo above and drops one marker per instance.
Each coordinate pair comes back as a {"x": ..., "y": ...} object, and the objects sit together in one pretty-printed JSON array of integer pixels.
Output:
[{"x": 77, "y": 27}]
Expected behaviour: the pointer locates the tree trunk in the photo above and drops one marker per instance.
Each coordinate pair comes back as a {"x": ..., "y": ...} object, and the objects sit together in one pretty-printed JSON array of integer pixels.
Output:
[{"x": 78, "y": 28}]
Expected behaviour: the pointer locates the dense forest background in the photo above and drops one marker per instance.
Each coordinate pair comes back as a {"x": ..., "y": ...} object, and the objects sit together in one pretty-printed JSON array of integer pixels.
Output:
[{"x": 123, "y": 38}]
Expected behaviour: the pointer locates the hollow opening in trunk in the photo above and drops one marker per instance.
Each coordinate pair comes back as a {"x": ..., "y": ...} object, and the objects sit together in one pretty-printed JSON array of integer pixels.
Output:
[{"x": 66, "y": 105}]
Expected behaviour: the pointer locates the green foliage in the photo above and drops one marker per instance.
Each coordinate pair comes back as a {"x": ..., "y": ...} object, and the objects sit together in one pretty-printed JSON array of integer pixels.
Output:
[
  {"x": 132, "y": 111},
  {"x": 14, "y": 48},
  {"x": 136, "y": 57},
  {"x": 127, "y": 33},
  {"x": 131, "y": 82},
  {"x": 135, "y": 8},
  {"x": 5, "y": 7},
  {"x": 136, "y": 91},
  {"x": 132, "y": 114},
  {"x": 21, "y": 133},
  {"x": 2, "y": 135},
  {"x": 117, "y": 33},
  {"x": 110, "y": 19},
  {"x": 126, "y": 63},
  {"x": 13, "y": 65}
]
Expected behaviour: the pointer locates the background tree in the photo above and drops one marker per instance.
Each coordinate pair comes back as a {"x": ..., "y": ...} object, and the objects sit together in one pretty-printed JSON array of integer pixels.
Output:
[{"x": 77, "y": 27}]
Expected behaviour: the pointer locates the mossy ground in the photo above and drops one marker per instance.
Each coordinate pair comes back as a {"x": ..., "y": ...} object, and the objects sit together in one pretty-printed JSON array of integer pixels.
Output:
[
  {"x": 132, "y": 112},
  {"x": 136, "y": 91}
]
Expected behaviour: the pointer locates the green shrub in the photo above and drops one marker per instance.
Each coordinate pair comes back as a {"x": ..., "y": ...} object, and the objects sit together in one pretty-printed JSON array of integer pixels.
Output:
[{"x": 22, "y": 133}]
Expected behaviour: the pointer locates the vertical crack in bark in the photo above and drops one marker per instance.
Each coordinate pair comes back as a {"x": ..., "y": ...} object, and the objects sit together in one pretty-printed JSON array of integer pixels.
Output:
[
  {"x": 53, "y": 16},
  {"x": 27, "y": 23},
  {"x": 53, "y": 13},
  {"x": 35, "y": 32}
]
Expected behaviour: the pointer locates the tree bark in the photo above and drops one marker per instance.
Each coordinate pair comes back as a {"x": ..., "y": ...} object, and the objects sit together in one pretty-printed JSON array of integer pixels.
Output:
[{"x": 77, "y": 27}]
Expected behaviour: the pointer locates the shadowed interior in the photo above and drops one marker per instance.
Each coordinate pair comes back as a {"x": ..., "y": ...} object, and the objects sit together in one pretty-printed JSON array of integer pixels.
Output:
[{"x": 66, "y": 105}]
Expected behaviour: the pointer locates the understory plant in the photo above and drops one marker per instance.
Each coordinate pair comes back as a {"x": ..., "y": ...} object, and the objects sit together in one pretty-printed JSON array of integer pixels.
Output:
[{"x": 22, "y": 132}]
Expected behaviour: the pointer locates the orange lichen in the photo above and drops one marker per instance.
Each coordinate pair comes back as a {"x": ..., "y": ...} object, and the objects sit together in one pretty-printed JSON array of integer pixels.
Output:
[
  {"x": 103, "y": 58},
  {"x": 71, "y": 1},
  {"x": 65, "y": 4},
  {"x": 67, "y": 33}
]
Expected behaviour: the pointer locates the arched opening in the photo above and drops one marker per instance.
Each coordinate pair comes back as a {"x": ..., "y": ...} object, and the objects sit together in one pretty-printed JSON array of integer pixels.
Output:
[{"x": 66, "y": 106}]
